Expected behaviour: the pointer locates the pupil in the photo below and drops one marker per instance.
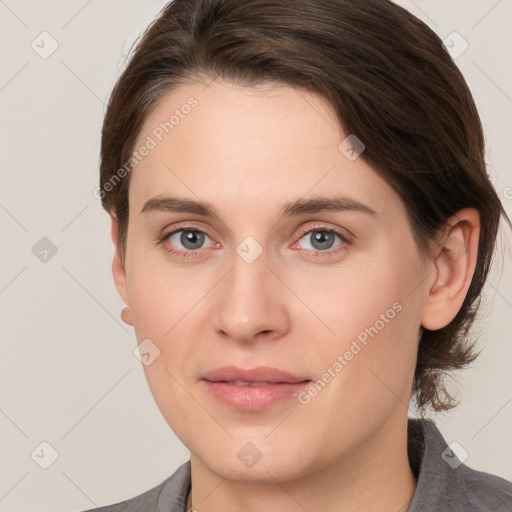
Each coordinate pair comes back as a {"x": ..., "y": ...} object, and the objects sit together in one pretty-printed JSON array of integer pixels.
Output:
[
  {"x": 191, "y": 238},
  {"x": 323, "y": 238}
]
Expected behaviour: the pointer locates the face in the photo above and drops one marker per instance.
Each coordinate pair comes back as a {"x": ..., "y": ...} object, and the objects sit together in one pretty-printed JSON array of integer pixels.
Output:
[{"x": 328, "y": 295}]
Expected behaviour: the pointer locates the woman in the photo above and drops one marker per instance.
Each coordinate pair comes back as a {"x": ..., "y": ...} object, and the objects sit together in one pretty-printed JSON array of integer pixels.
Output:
[{"x": 304, "y": 225}]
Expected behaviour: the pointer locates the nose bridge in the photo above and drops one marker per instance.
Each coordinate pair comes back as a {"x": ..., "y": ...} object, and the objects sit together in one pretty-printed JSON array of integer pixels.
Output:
[{"x": 250, "y": 301}]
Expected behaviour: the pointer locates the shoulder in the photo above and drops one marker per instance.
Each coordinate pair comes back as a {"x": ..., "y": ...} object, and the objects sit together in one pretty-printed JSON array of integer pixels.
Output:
[
  {"x": 445, "y": 482},
  {"x": 170, "y": 495},
  {"x": 485, "y": 491},
  {"x": 147, "y": 501}
]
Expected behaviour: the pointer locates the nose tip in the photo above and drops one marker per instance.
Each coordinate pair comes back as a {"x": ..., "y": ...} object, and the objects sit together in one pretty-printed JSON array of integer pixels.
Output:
[
  {"x": 249, "y": 307},
  {"x": 247, "y": 331}
]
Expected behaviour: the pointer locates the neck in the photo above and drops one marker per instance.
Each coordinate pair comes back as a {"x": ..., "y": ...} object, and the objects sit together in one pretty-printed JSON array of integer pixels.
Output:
[{"x": 375, "y": 477}]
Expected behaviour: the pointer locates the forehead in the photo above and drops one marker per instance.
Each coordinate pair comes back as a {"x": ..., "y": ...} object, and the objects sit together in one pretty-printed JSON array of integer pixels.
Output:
[{"x": 267, "y": 143}]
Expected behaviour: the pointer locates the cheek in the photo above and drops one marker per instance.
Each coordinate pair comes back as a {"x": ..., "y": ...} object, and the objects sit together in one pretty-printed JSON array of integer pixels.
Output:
[
  {"x": 364, "y": 374},
  {"x": 165, "y": 299},
  {"x": 375, "y": 316},
  {"x": 366, "y": 296},
  {"x": 176, "y": 401}
]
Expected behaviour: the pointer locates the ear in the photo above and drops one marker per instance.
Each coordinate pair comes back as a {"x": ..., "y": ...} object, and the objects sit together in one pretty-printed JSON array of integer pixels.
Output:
[
  {"x": 454, "y": 267},
  {"x": 118, "y": 269}
]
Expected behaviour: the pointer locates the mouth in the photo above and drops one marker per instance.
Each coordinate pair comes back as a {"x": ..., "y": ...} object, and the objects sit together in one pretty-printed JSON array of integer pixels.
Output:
[
  {"x": 251, "y": 383},
  {"x": 253, "y": 389},
  {"x": 260, "y": 375}
]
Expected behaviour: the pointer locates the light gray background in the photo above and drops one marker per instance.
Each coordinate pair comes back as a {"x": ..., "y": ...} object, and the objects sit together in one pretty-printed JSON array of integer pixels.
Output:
[{"x": 68, "y": 373}]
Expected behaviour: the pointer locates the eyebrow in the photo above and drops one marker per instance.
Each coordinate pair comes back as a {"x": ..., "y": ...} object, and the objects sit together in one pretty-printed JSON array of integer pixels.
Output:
[{"x": 290, "y": 209}]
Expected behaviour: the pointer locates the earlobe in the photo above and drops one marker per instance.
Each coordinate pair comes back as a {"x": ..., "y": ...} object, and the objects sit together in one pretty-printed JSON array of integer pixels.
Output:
[
  {"x": 118, "y": 269},
  {"x": 453, "y": 271},
  {"x": 126, "y": 316}
]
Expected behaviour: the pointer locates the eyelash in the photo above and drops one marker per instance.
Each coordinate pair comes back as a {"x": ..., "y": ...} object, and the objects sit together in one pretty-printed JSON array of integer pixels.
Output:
[{"x": 303, "y": 232}]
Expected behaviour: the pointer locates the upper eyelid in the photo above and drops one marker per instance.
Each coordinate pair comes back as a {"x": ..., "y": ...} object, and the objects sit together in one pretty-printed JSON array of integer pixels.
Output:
[
  {"x": 322, "y": 227},
  {"x": 302, "y": 231}
]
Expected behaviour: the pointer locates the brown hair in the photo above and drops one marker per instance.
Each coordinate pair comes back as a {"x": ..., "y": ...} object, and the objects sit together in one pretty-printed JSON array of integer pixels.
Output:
[{"x": 391, "y": 83}]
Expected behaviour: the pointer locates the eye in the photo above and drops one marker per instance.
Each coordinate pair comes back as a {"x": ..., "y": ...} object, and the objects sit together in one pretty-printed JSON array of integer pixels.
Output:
[
  {"x": 185, "y": 241},
  {"x": 322, "y": 239}
]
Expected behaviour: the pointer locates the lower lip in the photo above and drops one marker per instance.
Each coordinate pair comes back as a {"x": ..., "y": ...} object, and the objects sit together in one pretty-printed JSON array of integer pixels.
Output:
[{"x": 253, "y": 398}]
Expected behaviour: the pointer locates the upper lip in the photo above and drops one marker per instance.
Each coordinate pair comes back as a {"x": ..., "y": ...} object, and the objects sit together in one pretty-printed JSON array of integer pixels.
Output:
[{"x": 259, "y": 374}]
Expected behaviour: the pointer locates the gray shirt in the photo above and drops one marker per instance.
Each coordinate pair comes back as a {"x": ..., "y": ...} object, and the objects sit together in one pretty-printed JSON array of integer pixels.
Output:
[{"x": 444, "y": 483}]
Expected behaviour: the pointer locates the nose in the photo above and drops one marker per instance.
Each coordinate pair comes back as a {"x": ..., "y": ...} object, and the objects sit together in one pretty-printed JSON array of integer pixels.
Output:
[{"x": 252, "y": 303}]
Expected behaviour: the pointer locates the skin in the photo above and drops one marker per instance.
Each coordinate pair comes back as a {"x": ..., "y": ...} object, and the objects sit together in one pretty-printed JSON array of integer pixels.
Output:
[{"x": 247, "y": 151}]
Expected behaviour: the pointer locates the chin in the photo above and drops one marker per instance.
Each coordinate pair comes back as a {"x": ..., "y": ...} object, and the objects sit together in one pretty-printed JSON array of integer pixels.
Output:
[{"x": 256, "y": 462}]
